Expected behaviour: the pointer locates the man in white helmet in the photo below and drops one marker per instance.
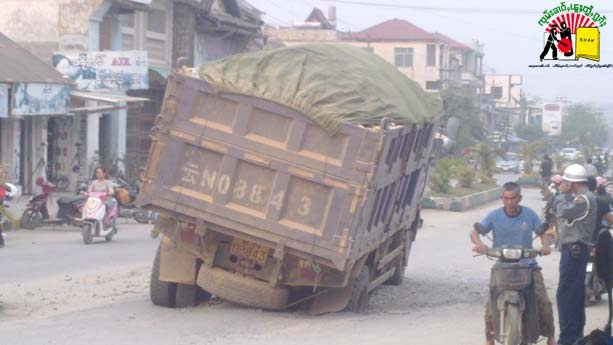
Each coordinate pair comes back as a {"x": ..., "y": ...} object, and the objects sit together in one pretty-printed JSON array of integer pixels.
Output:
[{"x": 576, "y": 211}]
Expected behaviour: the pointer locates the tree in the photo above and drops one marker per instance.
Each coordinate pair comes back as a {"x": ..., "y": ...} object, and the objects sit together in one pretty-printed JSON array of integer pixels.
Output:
[
  {"x": 583, "y": 125},
  {"x": 530, "y": 151},
  {"x": 529, "y": 132},
  {"x": 458, "y": 102}
]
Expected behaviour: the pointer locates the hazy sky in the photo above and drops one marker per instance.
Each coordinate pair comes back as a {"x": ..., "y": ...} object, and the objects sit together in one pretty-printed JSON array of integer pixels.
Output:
[{"x": 512, "y": 40}]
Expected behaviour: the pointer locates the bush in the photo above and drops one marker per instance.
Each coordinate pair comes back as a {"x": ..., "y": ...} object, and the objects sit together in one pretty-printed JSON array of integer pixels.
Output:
[
  {"x": 487, "y": 161},
  {"x": 466, "y": 176},
  {"x": 444, "y": 171},
  {"x": 487, "y": 179}
]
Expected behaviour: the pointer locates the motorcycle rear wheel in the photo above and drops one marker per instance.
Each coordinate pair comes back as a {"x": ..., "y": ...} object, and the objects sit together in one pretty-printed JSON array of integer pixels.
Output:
[
  {"x": 512, "y": 325},
  {"x": 30, "y": 219},
  {"x": 109, "y": 237},
  {"x": 141, "y": 216}
]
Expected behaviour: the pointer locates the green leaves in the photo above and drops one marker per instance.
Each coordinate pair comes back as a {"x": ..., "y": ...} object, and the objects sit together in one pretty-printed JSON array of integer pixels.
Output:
[
  {"x": 458, "y": 102},
  {"x": 583, "y": 125}
]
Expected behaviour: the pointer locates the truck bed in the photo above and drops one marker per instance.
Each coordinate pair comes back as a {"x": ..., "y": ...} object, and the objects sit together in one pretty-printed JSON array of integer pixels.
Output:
[{"x": 257, "y": 169}]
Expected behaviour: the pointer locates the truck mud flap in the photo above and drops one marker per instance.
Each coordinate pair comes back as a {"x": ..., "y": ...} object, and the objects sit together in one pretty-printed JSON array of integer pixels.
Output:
[
  {"x": 243, "y": 290},
  {"x": 176, "y": 265},
  {"x": 336, "y": 299}
]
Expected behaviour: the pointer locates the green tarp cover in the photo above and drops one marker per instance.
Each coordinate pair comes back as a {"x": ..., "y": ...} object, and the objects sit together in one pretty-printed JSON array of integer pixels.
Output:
[{"x": 330, "y": 83}]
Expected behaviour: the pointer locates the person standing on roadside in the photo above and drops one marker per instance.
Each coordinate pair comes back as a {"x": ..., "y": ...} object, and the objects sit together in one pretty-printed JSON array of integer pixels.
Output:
[
  {"x": 546, "y": 169},
  {"x": 590, "y": 168},
  {"x": 576, "y": 209}
]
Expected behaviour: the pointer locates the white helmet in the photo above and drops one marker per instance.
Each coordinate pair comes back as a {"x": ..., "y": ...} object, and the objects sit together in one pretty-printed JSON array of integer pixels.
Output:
[{"x": 575, "y": 173}]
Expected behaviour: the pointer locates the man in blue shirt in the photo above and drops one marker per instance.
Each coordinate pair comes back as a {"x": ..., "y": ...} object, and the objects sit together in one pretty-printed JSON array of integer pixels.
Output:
[{"x": 514, "y": 225}]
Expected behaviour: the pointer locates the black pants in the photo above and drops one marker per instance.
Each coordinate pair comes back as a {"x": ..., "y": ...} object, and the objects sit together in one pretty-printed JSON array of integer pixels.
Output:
[
  {"x": 1, "y": 236},
  {"x": 44, "y": 211},
  {"x": 571, "y": 292},
  {"x": 552, "y": 46}
]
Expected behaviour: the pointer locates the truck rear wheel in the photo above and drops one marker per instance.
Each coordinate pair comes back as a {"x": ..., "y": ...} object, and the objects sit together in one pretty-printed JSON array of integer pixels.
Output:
[
  {"x": 360, "y": 297},
  {"x": 161, "y": 293},
  {"x": 188, "y": 296},
  {"x": 398, "y": 276},
  {"x": 242, "y": 290}
]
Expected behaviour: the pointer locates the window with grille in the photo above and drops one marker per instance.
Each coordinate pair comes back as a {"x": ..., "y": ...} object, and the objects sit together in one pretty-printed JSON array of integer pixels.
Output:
[
  {"x": 149, "y": 31},
  {"x": 403, "y": 57},
  {"x": 431, "y": 55}
]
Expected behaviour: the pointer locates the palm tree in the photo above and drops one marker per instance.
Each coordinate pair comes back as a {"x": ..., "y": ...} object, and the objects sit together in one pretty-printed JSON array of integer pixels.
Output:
[{"x": 530, "y": 151}]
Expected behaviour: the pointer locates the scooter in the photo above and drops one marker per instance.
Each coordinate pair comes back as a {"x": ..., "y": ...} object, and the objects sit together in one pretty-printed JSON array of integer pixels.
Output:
[
  {"x": 35, "y": 213},
  {"x": 594, "y": 286},
  {"x": 98, "y": 220},
  {"x": 512, "y": 297}
]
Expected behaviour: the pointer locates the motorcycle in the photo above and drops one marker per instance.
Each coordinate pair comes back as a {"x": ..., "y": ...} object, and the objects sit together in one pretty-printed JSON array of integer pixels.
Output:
[
  {"x": 69, "y": 210},
  {"x": 98, "y": 219},
  {"x": 594, "y": 286},
  {"x": 512, "y": 297},
  {"x": 126, "y": 196},
  {"x": 35, "y": 212}
]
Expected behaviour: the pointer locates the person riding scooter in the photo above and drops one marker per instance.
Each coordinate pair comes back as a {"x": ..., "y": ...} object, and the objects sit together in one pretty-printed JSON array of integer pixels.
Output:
[
  {"x": 513, "y": 225},
  {"x": 102, "y": 184},
  {"x": 100, "y": 210}
]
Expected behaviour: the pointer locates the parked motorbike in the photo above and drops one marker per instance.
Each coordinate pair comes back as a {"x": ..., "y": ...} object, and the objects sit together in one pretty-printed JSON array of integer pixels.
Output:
[
  {"x": 36, "y": 210},
  {"x": 512, "y": 297},
  {"x": 126, "y": 196},
  {"x": 69, "y": 210},
  {"x": 594, "y": 286},
  {"x": 97, "y": 219}
]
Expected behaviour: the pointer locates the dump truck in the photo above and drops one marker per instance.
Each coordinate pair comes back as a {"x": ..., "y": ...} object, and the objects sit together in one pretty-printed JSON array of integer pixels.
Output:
[{"x": 288, "y": 177}]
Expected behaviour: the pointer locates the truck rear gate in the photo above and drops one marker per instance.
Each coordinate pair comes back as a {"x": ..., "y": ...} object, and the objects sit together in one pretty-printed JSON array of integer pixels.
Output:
[{"x": 266, "y": 170}]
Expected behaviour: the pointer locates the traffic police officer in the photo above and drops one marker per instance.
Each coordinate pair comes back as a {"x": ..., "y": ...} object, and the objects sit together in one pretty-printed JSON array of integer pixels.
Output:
[{"x": 576, "y": 209}]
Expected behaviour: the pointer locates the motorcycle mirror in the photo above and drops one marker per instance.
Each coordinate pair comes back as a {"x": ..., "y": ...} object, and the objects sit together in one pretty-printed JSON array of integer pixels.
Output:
[{"x": 541, "y": 229}]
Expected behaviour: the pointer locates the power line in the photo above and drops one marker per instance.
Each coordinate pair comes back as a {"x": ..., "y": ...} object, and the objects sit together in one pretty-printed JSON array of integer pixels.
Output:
[{"x": 443, "y": 9}]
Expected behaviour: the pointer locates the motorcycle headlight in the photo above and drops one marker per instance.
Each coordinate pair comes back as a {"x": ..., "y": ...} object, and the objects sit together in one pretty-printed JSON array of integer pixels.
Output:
[{"x": 512, "y": 254}]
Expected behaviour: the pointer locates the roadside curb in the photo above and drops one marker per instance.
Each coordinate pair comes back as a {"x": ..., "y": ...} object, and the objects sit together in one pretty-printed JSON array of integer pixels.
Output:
[{"x": 463, "y": 203}]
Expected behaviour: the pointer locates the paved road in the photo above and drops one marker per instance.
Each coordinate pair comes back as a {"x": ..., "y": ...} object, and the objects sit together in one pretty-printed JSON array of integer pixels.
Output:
[
  {"x": 46, "y": 252},
  {"x": 441, "y": 301}
]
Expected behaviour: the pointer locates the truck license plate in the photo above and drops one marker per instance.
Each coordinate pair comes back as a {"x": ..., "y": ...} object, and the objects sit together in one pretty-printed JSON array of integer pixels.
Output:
[{"x": 249, "y": 250}]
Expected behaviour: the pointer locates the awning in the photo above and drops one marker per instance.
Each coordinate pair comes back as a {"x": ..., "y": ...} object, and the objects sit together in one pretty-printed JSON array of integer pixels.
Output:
[
  {"x": 115, "y": 102},
  {"x": 112, "y": 98},
  {"x": 95, "y": 109}
]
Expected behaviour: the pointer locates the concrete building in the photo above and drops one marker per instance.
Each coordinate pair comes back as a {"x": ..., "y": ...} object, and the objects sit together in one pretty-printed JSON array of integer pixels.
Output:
[
  {"x": 119, "y": 54},
  {"x": 431, "y": 59},
  {"x": 506, "y": 89},
  {"x": 30, "y": 92}
]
